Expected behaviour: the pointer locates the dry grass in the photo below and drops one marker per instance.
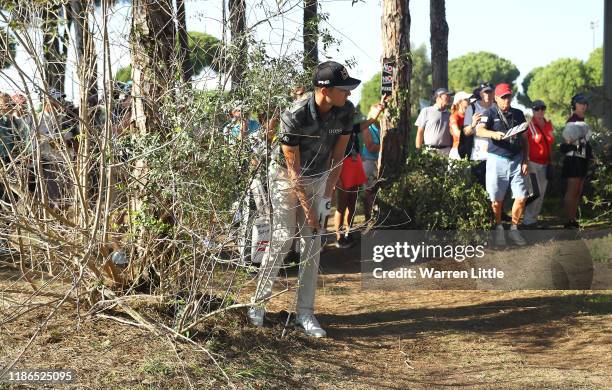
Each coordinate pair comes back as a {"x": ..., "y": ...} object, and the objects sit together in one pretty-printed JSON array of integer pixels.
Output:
[{"x": 382, "y": 340}]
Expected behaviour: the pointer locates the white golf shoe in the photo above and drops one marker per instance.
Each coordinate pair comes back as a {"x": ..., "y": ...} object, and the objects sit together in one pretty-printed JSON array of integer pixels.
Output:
[
  {"x": 310, "y": 325},
  {"x": 256, "y": 315}
]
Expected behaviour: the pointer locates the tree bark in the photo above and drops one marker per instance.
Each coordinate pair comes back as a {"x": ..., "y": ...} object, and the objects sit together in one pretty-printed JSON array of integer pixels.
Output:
[
  {"x": 85, "y": 49},
  {"x": 395, "y": 124},
  {"x": 55, "y": 49},
  {"x": 153, "y": 74},
  {"x": 181, "y": 25},
  {"x": 607, "y": 65},
  {"x": 310, "y": 33},
  {"x": 237, "y": 18},
  {"x": 439, "y": 44},
  {"x": 153, "y": 43}
]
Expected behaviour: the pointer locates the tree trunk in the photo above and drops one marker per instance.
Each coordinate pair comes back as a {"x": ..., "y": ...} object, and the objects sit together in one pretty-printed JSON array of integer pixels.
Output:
[
  {"x": 153, "y": 40},
  {"x": 181, "y": 26},
  {"x": 439, "y": 44},
  {"x": 237, "y": 18},
  {"x": 607, "y": 65},
  {"x": 153, "y": 75},
  {"x": 87, "y": 68},
  {"x": 87, "y": 74},
  {"x": 310, "y": 32},
  {"x": 395, "y": 124},
  {"x": 55, "y": 49}
]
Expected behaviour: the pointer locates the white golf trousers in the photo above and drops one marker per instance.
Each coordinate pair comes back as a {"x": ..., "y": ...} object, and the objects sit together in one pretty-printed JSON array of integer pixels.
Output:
[{"x": 287, "y": 214}]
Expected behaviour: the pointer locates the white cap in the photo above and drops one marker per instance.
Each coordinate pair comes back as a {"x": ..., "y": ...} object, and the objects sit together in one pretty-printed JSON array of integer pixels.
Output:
[{"x": 461, "y": 95}]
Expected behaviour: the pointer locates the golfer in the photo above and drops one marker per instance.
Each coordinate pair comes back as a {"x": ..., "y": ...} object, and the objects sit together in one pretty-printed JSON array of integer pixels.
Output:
[{"x": 313, "y": 137}]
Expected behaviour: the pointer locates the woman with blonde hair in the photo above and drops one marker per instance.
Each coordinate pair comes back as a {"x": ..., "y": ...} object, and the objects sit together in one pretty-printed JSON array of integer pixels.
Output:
[{"x": 460, "y": 104}]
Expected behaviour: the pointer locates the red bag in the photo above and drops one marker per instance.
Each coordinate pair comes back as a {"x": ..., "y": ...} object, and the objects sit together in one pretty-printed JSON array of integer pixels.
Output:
[{"x": 352, "y": 174}]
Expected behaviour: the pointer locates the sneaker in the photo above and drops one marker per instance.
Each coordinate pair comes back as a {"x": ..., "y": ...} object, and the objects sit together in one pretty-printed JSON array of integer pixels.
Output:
[
  {"x": 256, "y": 316},
  {"x": 500, "y": 238},
  {"x": 310, "y": 325},
  {"x": 516, "y": 236},
  {"x": 343, "y": 243}
]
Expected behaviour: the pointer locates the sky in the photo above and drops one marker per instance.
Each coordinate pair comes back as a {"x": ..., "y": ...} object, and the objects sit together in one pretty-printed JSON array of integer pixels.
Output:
[{"x": 530, "y": 33}]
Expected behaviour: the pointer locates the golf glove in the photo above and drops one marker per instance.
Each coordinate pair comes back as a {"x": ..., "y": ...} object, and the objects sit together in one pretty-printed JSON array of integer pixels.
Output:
[{"x": 323, "y": 209}]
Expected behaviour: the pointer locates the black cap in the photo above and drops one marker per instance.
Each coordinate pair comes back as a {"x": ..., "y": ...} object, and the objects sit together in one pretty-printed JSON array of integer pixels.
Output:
[
  {"x": 537, "y": 105},
  {"x": 579, "y": 98},
  {"x": 485, "y": 86},
  {"x": 441, "y": 91},
  {"x": 332, "y": 74}
]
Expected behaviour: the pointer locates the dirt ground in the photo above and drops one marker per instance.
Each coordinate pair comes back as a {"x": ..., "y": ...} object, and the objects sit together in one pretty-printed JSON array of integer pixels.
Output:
[{"x": 376, "y": 340}]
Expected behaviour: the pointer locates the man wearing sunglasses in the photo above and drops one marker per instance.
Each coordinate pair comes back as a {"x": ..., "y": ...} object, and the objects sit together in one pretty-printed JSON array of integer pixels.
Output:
[{"x": 506, "y": 161}]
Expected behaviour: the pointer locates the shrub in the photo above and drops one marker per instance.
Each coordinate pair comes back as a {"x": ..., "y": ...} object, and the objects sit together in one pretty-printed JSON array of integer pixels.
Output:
[{"x": 431, "y": 196}]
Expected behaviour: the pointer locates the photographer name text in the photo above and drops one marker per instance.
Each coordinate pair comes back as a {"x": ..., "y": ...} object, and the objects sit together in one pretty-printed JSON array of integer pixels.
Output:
[{"x": 432, "y": 273}]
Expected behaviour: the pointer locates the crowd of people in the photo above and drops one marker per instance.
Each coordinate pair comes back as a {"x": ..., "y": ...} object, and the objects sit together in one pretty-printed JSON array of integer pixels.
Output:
[
  {"x": 508, "y": 151},
  {"x": 44, "y": 141}
]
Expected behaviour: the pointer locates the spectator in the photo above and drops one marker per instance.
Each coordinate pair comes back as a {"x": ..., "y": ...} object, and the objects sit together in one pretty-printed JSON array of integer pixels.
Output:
[
  {"x": 12, "y": 132},
  {"x": 370, "y": 133},
  {"x": 578, "y": 153},
  {"x": 298, "y": 93},
  {"x": 353, "y": 175},
  {"x": 303, "y": 172},
  {"x": 470, "y": 121},
  {"x": 20, "y": 109},
  {"x": 252, "y": 210},
  {"x": 540, "y": 138},
  {"x": 506, "y": 161},
  {"x": 54, "y": 137},
  {"x": 240, "y": 126},
  {"x": 432, "y": 125},
  {"x": 460, "y": 104},
  {"x": 351, "y": 178}
]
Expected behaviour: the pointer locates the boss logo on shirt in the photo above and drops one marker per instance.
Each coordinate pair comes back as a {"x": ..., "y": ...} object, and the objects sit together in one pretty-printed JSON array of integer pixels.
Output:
[{"x": 334, "y": 131}]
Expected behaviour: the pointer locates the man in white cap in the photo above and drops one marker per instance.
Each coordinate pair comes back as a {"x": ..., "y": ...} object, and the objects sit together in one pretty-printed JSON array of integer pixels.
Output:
[{"x": 303, "y": 172}]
